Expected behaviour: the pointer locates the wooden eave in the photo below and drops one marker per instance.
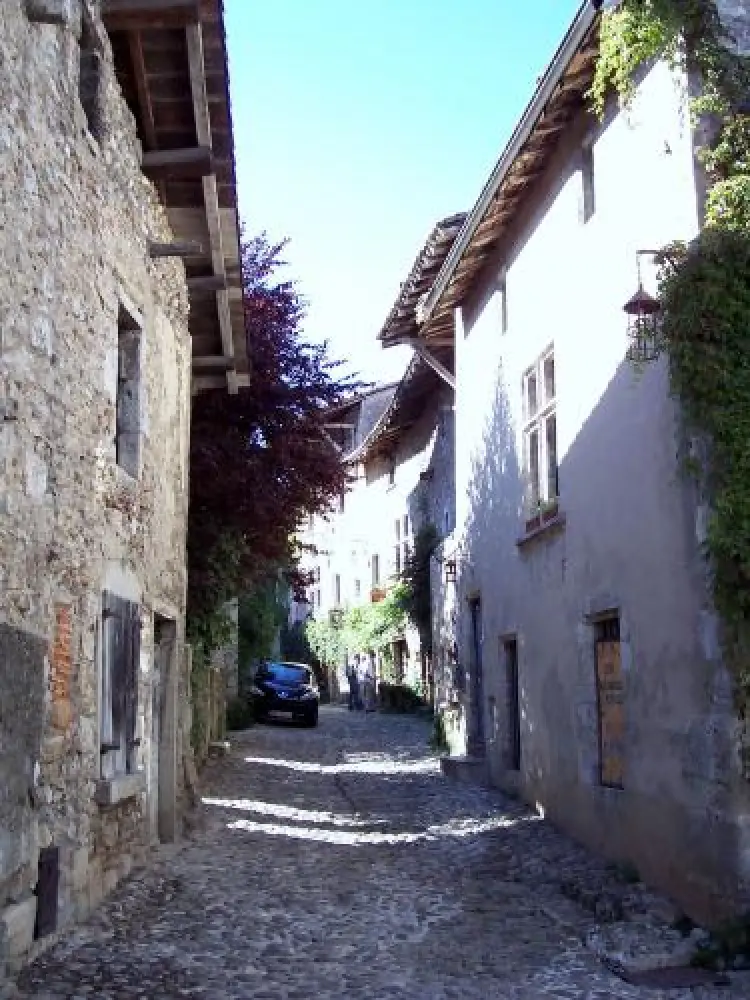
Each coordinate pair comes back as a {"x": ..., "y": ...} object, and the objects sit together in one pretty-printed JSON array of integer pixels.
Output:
[
  {"x": 413, "y": 393},
  {"x": 171, "y": 63},
  {"x": 521, "y": 175},
  {"x": 401, "y": 324}
]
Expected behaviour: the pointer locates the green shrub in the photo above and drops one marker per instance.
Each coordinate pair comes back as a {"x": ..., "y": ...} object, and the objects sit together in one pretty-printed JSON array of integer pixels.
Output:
[{"x": 398, "y": 698}]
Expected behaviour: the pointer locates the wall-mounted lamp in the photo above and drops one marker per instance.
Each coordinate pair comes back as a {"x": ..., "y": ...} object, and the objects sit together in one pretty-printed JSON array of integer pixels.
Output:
[
  {"x": 644, "y": 313},
  {"x": 450, "y": 570}
]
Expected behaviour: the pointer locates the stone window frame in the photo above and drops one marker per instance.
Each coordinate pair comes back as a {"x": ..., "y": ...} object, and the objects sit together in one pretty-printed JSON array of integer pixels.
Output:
[
  {"x": 128, "y": 396},
  {"x": 539, "y": 408}
]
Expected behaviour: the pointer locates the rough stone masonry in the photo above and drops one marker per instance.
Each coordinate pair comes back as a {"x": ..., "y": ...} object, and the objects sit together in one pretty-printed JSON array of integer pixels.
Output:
[{"x": 94, "y": 419}]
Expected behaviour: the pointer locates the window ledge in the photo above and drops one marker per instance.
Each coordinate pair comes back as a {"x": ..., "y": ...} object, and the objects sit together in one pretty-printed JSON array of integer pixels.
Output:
[
  {"x": 549, "y": 527},
  {"x": 111, "y": 791}
]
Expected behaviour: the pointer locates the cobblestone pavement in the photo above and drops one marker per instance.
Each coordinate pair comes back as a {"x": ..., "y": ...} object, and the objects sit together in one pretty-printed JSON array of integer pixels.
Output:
[{"x": 337, "y": 862}]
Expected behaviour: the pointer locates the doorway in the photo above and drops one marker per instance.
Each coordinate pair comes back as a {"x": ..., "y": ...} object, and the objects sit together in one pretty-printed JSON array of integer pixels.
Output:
[
  {"x": 164, "y": 729},
  {"x": 476, "y": 740}
]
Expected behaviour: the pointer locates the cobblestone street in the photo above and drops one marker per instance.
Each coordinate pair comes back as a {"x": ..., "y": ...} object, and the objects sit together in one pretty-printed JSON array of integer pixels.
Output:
[{"x": 337, "y": 862}]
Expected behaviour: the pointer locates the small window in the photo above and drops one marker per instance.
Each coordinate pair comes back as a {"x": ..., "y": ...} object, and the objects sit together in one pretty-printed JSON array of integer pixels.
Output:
[
  {"x": 540, "y": 432},
  {"x": 502, "y": 292},
  {"x": 357, "y": 588},
  {"x": 406, "y": 525},
  {"x": 90, "y": 79},
  {"x": 531, "y": 401},
  {"x": 318, "y": 600},
  {"x": 342, "y": 502},
  {"x": 391, "y": 474},
  {"x": 397, "y": 560},
  {"x": 588, "y": 201},
  {"x": 128, "y": 414},
  {"x": 397, "y": 529},
  {"x": 510, "y": 651},
  {"x": 338, "y": 589},
  {"x": 375, "y": 570},
  {"x": 120, "y": 655}
]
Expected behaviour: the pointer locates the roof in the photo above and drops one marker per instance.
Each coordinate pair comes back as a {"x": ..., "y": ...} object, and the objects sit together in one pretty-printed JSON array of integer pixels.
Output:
[
  {"x": 561, "y": 94},
  {"x": 401, "y": 323},
  {"x": 170, "y": 59},
  {"x": 369, "y": 407},
  {"x": 406, "y": 406}
]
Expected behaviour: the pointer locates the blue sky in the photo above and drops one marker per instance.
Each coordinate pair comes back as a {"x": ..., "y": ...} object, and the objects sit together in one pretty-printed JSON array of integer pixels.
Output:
[{"x": 359, "y": 124}]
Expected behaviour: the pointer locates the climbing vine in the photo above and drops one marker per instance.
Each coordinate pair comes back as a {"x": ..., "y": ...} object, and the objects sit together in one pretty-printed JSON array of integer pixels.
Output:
[
  {"x": 705, "y": 287},
  {"x": 362, "y": 628}
]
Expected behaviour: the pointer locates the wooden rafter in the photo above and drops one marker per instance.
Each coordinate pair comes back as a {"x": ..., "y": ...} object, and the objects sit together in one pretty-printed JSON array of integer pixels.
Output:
[
  {"x": 210, "y": 192},
  {"x": 195, "y": 161},
  {"x": 174, "y": 249},
  {"x": 134, "y": 15},
  {"x": 141, "y": 83}
]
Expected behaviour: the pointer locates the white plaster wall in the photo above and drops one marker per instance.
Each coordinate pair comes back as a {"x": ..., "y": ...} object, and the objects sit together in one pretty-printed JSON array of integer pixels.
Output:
[{"x": 629, "y": 539}]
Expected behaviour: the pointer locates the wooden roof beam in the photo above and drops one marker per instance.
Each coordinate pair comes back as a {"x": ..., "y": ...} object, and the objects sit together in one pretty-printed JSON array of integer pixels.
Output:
[
  {"x": 210, "y": 193},
  {"x": 174, "y": 249},
  {"x": 194, "y": 161},
  {"x": 141, "y": 85},
  {"x": 135, "y": 15},
  {"x": 207, "y": 283},
  {"x": 212, "y": 363}
]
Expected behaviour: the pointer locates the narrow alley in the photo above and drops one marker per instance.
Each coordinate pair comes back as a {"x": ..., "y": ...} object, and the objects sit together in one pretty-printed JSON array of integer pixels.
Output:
[{"x": 338, "y": 862}]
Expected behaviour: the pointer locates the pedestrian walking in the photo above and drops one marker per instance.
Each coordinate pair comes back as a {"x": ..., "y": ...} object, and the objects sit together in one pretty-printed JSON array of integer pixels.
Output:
[
  {"x": 369, "y": 690},
  {"x": 352, "y": 674}
]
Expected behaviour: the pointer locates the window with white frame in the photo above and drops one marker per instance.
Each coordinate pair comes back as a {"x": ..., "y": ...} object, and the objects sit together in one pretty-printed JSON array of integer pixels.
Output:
[{"x": 540, "y": 431}]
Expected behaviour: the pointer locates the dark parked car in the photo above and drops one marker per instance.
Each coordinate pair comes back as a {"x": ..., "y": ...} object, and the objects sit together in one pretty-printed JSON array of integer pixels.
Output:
[{"x": 286, "y": 687}]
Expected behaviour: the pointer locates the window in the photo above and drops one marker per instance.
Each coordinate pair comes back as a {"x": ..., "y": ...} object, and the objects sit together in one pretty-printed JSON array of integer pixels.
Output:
[
  {"x": 317, "y": 574},
  {"x": 337, "y": 588},
  {"x": 120, "y": 655},
  {"x": 375, "y": 570},
  {"x": 406, "y": 525},
  {"x": 357, "y": 588},
  {"x": 391, "y": 474},
  {"x": 502, "y": 292},
  {"x": 397, "y": 524},
  {"x": 540, "y": 432},
  {"x": 588, "y": 201},
  {"x": 510, "y": 655},
  {"x": 90, "y": 79},
  {"x": 610, "y": 701},
  {"x": 342, "y": 501},
  {"x": 318, "y": 600},
  {"x": 397, "y": 560},
  {"x": 128, "y": 413}
]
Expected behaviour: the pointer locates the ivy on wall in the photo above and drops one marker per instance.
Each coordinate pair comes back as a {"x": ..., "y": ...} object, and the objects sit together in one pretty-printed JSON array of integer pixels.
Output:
[{"x": 705, "y": 287}]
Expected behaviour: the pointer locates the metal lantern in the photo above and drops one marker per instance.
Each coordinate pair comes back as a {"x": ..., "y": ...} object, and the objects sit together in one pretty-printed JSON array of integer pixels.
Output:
[
  {"x": 450, "y": 571},
  {"x": 643, "y": 323}
]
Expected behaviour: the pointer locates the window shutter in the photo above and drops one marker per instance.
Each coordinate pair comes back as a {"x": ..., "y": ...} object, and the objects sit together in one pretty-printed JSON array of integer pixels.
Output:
[{"x": 133, "y": 646}]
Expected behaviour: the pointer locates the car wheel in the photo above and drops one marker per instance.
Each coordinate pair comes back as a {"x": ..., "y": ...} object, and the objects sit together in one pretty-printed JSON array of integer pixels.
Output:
[{"x": 311, "y": 719}]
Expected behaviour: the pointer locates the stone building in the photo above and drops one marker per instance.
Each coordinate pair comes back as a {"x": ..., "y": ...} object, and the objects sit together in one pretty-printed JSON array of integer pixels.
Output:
[
  {"x": 592, "y": 679},
  {"x": 119, "y": 236}
]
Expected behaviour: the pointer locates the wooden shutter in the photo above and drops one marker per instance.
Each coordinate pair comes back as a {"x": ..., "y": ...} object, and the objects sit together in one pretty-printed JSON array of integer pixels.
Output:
[
  {"x": 611, "y": 712},
  {"x": 132, "y": 623},
  {"x": 122, "y": 637}
]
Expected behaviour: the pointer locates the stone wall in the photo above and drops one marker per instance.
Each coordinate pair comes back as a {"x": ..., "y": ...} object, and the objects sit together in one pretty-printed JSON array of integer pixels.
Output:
[{"x": 75, "y": 218}]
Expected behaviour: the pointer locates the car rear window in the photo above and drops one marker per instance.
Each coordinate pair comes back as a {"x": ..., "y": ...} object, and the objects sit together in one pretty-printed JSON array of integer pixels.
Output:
[{"x": 288, "y": 672}]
